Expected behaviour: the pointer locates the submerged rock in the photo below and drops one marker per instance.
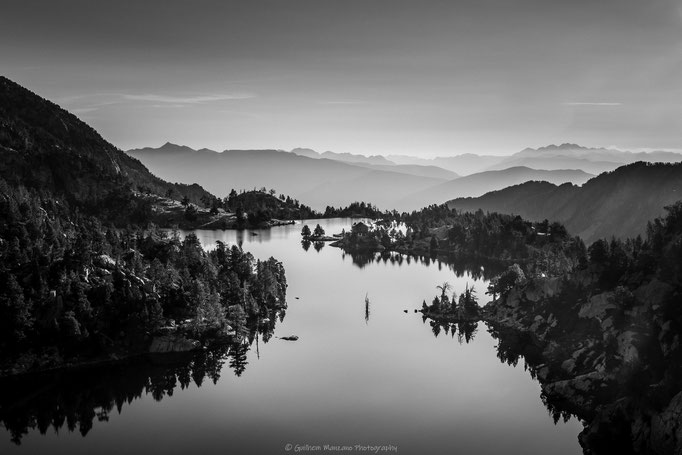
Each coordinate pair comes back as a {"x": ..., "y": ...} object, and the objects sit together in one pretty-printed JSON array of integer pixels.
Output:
[{"x": 289, "y": 338}]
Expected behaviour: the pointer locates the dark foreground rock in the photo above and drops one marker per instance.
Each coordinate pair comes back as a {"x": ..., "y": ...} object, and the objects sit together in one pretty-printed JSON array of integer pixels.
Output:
[{"x": 611, "y": 358}]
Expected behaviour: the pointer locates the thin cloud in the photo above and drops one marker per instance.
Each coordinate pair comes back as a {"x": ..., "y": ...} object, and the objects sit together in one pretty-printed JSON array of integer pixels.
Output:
[
  {"x": 200, "y": 99},
  {"x": 590, "y": 103},
  {"x": 343, "y": 102},
  {"x": 83, "y": 104}
]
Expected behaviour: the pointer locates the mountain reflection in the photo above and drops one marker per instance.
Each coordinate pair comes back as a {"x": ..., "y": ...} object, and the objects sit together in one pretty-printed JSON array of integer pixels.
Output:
[{"x": 74, "y": 399}]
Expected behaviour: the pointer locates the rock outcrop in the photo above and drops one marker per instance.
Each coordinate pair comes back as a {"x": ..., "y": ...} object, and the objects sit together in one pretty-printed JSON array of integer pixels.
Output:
[{"x": 611, "y": 358}]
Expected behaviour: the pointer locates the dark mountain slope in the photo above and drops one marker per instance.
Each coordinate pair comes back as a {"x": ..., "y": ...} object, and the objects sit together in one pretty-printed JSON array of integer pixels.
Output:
[
  {"x": 478, "y": 184},
  {"x": 47, "y": 148},
  {"x": 618, "y": 203}
]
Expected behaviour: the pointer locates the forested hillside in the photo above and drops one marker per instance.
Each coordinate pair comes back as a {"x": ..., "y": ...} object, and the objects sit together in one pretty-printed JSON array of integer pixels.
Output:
[
  {"x": 47, "y": 148},
  {"x": 618, "y": 203},
  {"x": 77, "y": 282}
]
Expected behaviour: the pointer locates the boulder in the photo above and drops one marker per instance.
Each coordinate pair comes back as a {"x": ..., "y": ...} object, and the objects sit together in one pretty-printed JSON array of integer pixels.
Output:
[
  {"x": 653, "y": 293},
  {"x": 542, "y": 373},
  {"x": 598, "y": 306},
  {"x": 542, "y": 288},
  {"x": 568, "y": 366},
  {"x": 666, "y": 428},
  {"x": 104, "y": 261},
  {"x": 513, "y": 298},
  {"x": 627, "y": 348},
  {"x": 668, "y": 338},
  {"x": 581, "y": 391}
]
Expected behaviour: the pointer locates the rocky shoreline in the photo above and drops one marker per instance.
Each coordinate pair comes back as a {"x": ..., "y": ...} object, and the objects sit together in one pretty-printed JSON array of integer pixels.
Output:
[{"x": 612, "y": 362}]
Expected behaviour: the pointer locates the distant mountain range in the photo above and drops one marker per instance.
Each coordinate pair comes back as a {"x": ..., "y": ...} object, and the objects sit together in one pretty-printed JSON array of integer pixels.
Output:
[
  {"x": 464, "y": 164},
  {"x": 317, "y": 182},
  {"x": 379, "y": 163},
  {"x": 346, "y": 157},
  {"x": 551, "y": 157},
  {"x": 592, "y": 160},
  {"x": 617, "y": 203},
  {"x": 323, "y": 181},
  {"x": 46, "y": 148}
]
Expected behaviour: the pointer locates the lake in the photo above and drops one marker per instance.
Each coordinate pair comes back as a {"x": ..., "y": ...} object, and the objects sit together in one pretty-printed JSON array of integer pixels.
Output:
[{"x": 376, "y": 378}]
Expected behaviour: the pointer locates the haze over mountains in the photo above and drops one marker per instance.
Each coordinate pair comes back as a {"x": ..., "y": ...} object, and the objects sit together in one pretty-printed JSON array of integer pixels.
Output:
[
  {"x": 321, "y": 179},
  {"x": 484, "y": 182},
  {"x": 572, "y": 156},
  {"x": 617, "y": 203},
  {"x": 378, "y": 162},
  {"x": 44, "y": 146},
  {"x": 316, "y": 182},
  {"x": 552, "y": 157}
]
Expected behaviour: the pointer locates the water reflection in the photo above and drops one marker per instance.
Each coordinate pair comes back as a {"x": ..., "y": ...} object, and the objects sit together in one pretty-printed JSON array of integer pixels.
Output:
[
  {"x": 75, "y": 399},
  {"x": 342, "y": 382},
  {"x": 366, "y": 309},
  {"x": 513, "y": 346},
  {"x": 475, "y": 267},
  {"x": 464, "y": 330}
]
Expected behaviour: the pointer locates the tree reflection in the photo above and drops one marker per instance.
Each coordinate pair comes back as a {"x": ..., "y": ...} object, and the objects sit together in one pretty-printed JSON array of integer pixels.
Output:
[
  {"x": 75, "y": 399},
  {"x": 366, "y": 309},
  {"x": 513, "y": 346},
  {"x": 465, "y": 331},
  {"x": 476, "y": 267}
]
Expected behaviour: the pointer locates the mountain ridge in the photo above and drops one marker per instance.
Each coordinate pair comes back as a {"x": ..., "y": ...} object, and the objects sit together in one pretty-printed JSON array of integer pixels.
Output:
[
  {"x": 618, "y": 203},
  {"x": 304, "y": 178},
  {"x": 48, "y": 148},
  {"x": 484, "y": 182}
]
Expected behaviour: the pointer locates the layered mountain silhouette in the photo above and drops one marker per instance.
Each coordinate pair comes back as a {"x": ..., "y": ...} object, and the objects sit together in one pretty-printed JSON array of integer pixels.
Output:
[
  {"x": 573, "y": 156},
  {"x": 464, "y": 164},
  {"x": 346, "y": 157},
  {"x": 47, "y": 148},
  {"x": 318, "y": 182},
  {"x": 379, "y": 163},
  {"x": 617, "y": 203},
  {"x": 551, "y": 157},
  {"x": 484, "y": 182}
]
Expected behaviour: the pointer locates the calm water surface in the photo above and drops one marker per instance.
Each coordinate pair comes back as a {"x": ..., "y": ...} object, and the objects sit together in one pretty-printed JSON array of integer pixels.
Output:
[{"x": 348, "y": 380}]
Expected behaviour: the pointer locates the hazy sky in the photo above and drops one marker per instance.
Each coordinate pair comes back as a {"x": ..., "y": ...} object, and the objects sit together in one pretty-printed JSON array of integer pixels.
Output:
[{"x": 363, "y": 76}]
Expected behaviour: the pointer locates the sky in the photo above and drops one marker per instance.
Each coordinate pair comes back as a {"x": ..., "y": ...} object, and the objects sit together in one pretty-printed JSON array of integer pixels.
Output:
[{"x": 420, "y": 77}]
